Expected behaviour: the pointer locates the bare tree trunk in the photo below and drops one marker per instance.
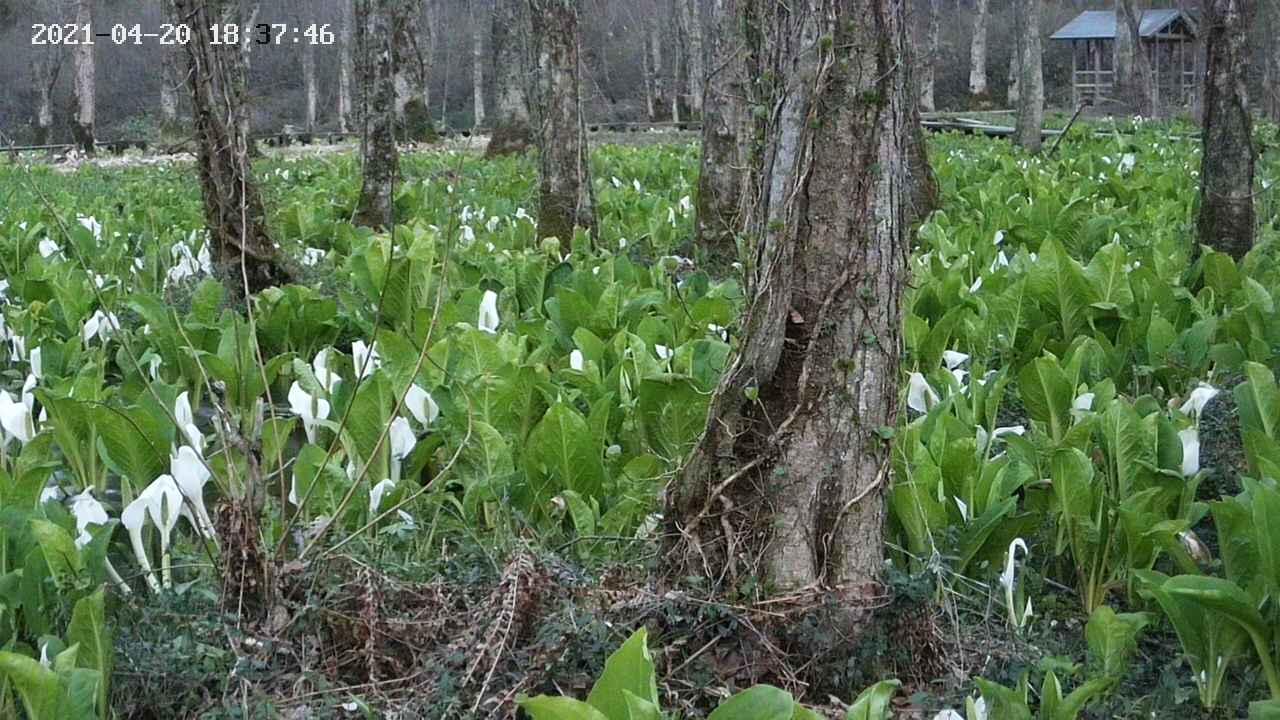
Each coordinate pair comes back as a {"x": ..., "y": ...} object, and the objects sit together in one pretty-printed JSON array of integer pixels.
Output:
[
  {"x": 85, "y": 85},
  {"x": 1226, "y": 168},
  {"x": 691, "y": 21},
  {"x": 565, "y": 196},
  {"x": 1014, "y": 96},
  {"x": 1134, "y": 81},
  {"x": 1271, "y": 74},
  {"x": 512, "y": 132},
  {"x": 727, "y": 126},
  {"x": 233, "y": 209},
  {"x": 1030, "y": 76},
  {"x": 657, "y": 81},
  {"x": 345, "y": 66},
  {"x": 379, "y": 22},
  {"x": 789, "y": 474},
  {"x": 170, "y": 81},
  {"x": 236, "y": 9},
  {"x": 477, "y": 64},
  {"x": 310, "y": 84},
  {"x": 929, "y": 56},
  {"x": 978, "y": 52}
]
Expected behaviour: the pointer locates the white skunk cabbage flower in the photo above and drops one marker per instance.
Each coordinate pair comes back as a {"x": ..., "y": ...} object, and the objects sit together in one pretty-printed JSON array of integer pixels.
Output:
[
  {"x": 1082, "y": 404},
  {"x": 1198, "y": 399},
  {"x": 88, "y": 511},
  {"x": 976, "y": 286},
  {"x": 328, "y": 379},
  {"x": 488, "y": 320},
  {"x": 421, "y": 405},
  {"x": 19, "y": 345},
  {"x": 664, "y": 352},
  {"x": 133, "y": 518},
  {"x": 1007, "y": 580},
  {"x": 312, "y": 256},
  {"x": 1194, "y": 547},
  {"x": 100, "y": 324},
  {"x": 953, "y": 359},
  {"x": 365, "y": 357},
  {"x": 91, "y": 224},
  {"x": 48, "y": 248},
  {"x": 575, "y": 360},
  {"x": 191, "y": 475},
  {"x": 310, "y": 408},
  {"x": 1190, "y": 451},
  {"x": 37, "y": 363},
  {"x": 402, "y": 443},
  {"x": 999, "y": 238},
  {"x": 377, "y": 492},
  {"x": 186, "y": 421},
  {"x": 164, "y": 507},
  {"x": 16, "y": 419},
  {"x": 919, "y": 394}
]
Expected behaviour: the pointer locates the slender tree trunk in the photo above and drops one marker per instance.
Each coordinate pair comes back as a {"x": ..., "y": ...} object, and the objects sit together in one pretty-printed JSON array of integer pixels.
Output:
[
  {"x": 379, "y": 22},
  {"x": 345, "y": 66},
  {"x": 1014, "y": 97},
  {"x": 310, "y": 84},
  {"x": 170, "y": 82},
  {"x": 723, "y": 189},
  {"x": 46, "y": 63},
  {"x": 565, "y": 196},
  {"x": 1227, "y": 163},
  {"x": 1134, "y": 81},
  {"x": 512, "y": 132},
  {"x": 978, "y": 52},
  {"x": 477, "y": 64},
  {"x": 929, "y": 56},
  {"x": 789, "y": 474},
  {"x": 232, "y": 206},
  {"x": 85, "y": 85},
  {"x": 657, "y": 81},
  {"x": 1030, "y": 77},
  {"x": 691, "y": 21}
]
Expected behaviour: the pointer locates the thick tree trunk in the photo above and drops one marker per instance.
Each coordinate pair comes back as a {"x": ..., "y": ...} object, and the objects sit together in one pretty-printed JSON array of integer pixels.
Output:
[
  {"x": 657, "y": 83},
  {"x": 170, "y": 81},
  {"x": 477, "y": 64},
  {"x": 1030, "y": 76},
  {"x": 1134, "y": 82},
  {"x": 565, "y": 196},
  {"x": 512, "y": 132},
  {"x": 1227, "y": 163},
  {"x": 45, "y": 66},
  {"x": 928, "y": 56},
  {"x": 723, "y": 189},
  {"x": 246, "y": 53},
  {"x": 346, "y": 66},
  {"x": 1271, "y": 74},
  {"x": 233, "y": 209},
  {"x": 978, "y": 52},
  {"x": 1012, "y": 94},
  {"x": 85, "y": 83},
  {"x": 691, "y": 21},
  {"x": 379, "y": 22},
  {"x": 310, "y": 85},
  {"x": 787, "y": 478}
]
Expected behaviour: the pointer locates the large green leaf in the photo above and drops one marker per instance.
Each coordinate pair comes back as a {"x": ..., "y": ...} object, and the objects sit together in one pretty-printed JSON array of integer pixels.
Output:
[
  {"x": 561, "y": 449},
  {"x": 60, "y": 553},
  {"x": 628, "y": 670},
  {"x": 1258, "y": 400},
  {"x": 36, "y": 685},
  {"x": 1112, "y": 639},
  {"x": 545, "y": 707},
  {"x": 88, "y": 629},
  {"x": 1048, "y": 394},
  {"x": 873, "y": 703},
  {"x": 135, "y": 442},
  {"x": 761, "y": 702}
]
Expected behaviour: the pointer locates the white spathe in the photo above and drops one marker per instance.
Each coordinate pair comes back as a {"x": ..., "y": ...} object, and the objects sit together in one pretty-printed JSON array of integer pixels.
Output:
[
  {"x": 1190, "y": 438},
  {"x": 575, "y": 360},
  {"x": 377, "y": 492},
  {"x": 488, "y": 319},
  {"x": 37, "y": 363},
  {"x": 1198, "y": 399},
  {"x": 16, "y": 418},
  {"x": 402, "y": 439},
  {"x": 919, "y": 394},
  {"x": 191, "y": 475},
  {"x": 310, "y": 408},
  {"x": 365, "y": 358},
  {"x": 953, "y": 359},
  {"x": 1083, "y": 402},
  {"x": 87, "y": 511},
  {"x": 327, "y": 378},
  {"x": 421, "y": 405}
]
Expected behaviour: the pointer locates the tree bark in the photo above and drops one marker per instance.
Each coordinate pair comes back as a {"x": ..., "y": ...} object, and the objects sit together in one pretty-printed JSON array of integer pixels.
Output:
[
  {"x": 310, "y": 85},
  {"x": 170, "y": 82},
  {"x": 85, "y": 82},
  {"x": 978, "y": 52},
  {"x": 1014, "y": 97},
  {"x": 477, "y": 65},
  {"x": 1134, "y": 82},
  {"x": 565, "y": 196},
  {"x": 727, "y": 130},
  {"x": 512, "y": 132},
  {"x": 379, "y": 22},
  {"x": 1271, "y": 73},
  {"x": 345, "y": 66},
  {"x": 1227, "y": 218},
  {"x": 928, "y": 57},
  {"x": 233, "y": 208},
  {"x": 657, "y": 83},
  {"x": 787, "y": 478},
  {"x": 691, "y": 21},
  {"x": 1030, "y": 76}
]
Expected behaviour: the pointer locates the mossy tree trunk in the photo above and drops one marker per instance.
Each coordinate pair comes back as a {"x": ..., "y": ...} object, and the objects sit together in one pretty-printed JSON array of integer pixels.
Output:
[
  {"x": 786, "y": 482},
  {"x": 512, "y": 132},
  {"x": 565, "y": 197},
  {"x": 1227, "y": 216},
  {"x": 233, "y": 208},
  {"x": 1028, "y": 132}
]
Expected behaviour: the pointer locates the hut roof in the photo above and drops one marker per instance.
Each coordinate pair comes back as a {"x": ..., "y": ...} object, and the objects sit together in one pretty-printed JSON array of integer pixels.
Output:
[{"x": 1101, "y": 25}]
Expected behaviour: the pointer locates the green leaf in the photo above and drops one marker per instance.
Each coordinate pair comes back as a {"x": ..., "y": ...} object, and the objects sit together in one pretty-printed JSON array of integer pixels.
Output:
[
  {"x": 88, "y": 629},
  {"x": 873, "y": 703},
  {"x": 1258, "y": 400},
  {"x": 628, "y": 670},
  {"x": 545, "y": 707},
  {"x": 36, "y": 685},
  {"x": 761, "y": 702},
  {"x": 1112, "y": 639},
  {"x": 1047, "y": 394},
  {"x": 561, "y": 448},
  {"x": 136, "y": 444},
  {"x": 60, "y": 553}
]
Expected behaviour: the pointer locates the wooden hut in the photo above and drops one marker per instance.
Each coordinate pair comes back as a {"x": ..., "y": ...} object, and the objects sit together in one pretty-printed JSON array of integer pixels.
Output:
[{"x": 1168, "y": 37}]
